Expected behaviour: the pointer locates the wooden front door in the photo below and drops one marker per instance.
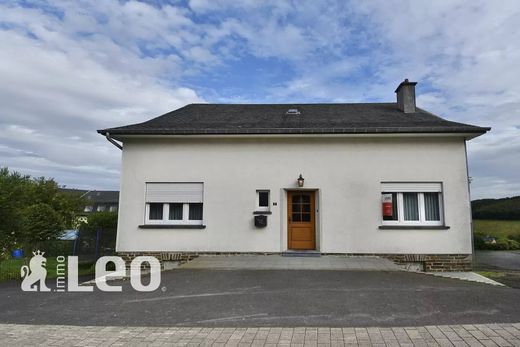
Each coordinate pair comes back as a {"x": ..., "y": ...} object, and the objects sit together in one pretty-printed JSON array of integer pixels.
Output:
[{"x": 301, "y": 220}]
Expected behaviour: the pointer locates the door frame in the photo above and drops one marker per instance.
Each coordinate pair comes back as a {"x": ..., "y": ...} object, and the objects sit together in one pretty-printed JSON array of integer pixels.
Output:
[{"x": 285, "y": 216}]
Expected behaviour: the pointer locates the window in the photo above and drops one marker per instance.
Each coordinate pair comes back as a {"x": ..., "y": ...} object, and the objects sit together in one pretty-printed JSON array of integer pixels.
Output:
[
  {"x": 176, "y": 211},
  {"x": 101, "y": 208},
  {"x": 156, "y": 211},
  {"x": 113, "y": 208},
  {"x": 195, "y": 211},
  {"x": 88, "y": 208},
  {"x": 262, "y": 200},
  {"x": 174, "y": 203},
  {"x": 412, "y": 204}
]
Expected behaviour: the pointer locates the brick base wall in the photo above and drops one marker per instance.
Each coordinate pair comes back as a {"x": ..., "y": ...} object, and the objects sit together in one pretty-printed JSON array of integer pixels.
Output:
[
  {"x": 435, "y": 262},
  {"x": 180, "y": 257},
  {"x": 429, "y": 262}
]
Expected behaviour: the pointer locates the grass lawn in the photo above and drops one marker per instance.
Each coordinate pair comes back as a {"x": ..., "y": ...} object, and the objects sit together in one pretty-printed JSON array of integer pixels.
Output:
[
  {"x": 496, "y": 228},
  {"x": 10, "y": 268}
]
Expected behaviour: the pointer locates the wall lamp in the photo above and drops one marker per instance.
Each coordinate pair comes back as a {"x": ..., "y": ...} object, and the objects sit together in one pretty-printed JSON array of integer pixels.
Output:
[{"x": 301, "y": 180}]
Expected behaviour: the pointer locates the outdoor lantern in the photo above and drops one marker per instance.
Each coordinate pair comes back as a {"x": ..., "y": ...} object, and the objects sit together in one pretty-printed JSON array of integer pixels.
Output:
[{"x": 300, "y": 181}]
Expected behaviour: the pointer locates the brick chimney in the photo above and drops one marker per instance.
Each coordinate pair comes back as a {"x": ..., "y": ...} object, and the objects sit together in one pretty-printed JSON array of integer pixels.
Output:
[{"x": 406, "y": 96}]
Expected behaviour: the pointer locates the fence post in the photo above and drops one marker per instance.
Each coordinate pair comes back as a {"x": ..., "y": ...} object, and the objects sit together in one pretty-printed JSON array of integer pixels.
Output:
[
  {"x": 75, "y": 243},
  {"x": 98, "y": 237}
]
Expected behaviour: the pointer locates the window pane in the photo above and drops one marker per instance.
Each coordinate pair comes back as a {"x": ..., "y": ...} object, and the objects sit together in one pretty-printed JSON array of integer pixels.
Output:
[
  {"x": 263, "y": 199},
  {"x": 411, "y": 206},
  {"x": 390, "y": 206},
  {"x": 156, "y": 211},
  {"x": 296, "y": 217},
  {"x": 296, "y": 198},
  {"x": 195, "y": 211},
  {"x": 176, "y": 211},
  {"x": 306, "y": 198},
  {"x": 296, "y": 207},
  {"x": 306, "y": 217},
  {"x": 306, "y": 208},
  {"x": 431, "y": 206}
]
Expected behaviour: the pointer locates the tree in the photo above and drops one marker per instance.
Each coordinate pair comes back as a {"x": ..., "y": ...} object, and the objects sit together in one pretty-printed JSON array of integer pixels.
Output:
[
  {"x": 41, "y": 222},
  {"x": 14, "y": 197},
  {"x": 33, "y": 209}
]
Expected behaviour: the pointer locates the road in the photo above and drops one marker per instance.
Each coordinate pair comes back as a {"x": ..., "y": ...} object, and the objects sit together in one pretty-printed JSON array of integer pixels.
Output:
[{"x": 241, "y": 298}]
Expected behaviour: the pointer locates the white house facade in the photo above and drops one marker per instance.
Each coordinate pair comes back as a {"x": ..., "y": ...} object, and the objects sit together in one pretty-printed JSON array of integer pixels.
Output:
[{"x": 383, "y": 179}]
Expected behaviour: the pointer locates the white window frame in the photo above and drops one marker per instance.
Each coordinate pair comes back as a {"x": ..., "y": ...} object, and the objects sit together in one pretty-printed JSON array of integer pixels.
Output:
[
  {"x": 166, "y": 215},
  {"x": 162, "y": 194},
  {"x": 259, "y": 208},
  {"x": 422, "y": 209}
]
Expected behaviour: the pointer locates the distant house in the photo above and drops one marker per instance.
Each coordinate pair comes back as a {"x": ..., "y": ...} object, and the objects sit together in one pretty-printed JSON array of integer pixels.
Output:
[
  {"x": 386, "y": 179},
  {"x": 97, "y": 201},
  {"x": 101, "y": 200}
]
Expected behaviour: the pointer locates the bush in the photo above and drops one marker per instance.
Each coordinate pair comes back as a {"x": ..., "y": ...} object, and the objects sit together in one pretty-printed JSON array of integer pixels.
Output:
[
  {"x": 502, "y": 244},
  {"x": 513, "y": 244},
  {"x": 515, "y": 237},
  {"x": 479, "y": 242}
]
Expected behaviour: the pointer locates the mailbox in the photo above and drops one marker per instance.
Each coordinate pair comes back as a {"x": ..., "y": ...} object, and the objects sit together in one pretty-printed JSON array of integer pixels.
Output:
[{"x": 260, "y": 221}]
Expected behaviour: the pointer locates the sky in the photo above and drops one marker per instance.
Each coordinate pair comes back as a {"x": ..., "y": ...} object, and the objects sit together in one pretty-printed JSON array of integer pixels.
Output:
[{"x": 68, "y": 68}]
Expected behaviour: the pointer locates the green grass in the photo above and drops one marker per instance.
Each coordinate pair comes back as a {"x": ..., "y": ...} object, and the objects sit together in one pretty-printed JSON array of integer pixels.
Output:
[
  {"x": 10, "y": 268},
  {"x": 491, "y": 274},
  {"x": 496, "y": 228}
]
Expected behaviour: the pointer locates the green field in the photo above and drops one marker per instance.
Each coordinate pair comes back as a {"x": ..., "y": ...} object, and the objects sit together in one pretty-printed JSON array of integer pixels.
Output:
[
  {"x": 505, "y": 232},
  {"x": 496, "y": 228}
]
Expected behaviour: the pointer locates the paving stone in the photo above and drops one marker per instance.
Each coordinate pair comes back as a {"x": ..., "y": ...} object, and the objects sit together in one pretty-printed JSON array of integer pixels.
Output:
[{"x": 455, "y": 335}]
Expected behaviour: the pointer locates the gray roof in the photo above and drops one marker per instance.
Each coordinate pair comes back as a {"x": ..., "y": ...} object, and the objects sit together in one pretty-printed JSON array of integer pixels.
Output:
[
  {"x": 103, "y": 196},
  {"x": 97, "y": 196},
  {"x": 206, "y": 119}
]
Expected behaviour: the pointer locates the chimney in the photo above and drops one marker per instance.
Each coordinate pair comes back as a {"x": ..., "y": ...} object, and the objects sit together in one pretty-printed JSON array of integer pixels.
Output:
[{"x": 406, "y": 96}]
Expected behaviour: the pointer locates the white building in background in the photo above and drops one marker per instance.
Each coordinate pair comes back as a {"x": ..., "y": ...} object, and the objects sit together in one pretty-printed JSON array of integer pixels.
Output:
[{"x": 384, "y": 179}]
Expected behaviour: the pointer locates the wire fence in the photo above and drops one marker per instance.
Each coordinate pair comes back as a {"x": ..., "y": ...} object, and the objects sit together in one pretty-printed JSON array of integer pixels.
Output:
[{"x": 89, "y": 245}]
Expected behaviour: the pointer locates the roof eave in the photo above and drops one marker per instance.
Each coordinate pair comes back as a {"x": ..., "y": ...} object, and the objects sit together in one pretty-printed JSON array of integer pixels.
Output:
[{"x": 468, "y": 135}]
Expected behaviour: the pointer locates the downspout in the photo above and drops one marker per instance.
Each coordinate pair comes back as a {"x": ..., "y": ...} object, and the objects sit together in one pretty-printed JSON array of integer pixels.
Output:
[
  {"x": 470, "y": 208},
  {"x": 112, "y": 141}
]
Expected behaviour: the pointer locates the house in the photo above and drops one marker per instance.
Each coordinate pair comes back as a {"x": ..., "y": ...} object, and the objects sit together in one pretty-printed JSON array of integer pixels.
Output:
[
  {"x": 386, "y": 179},
  {"x": 96, "y": 201},
  {"x": 101, "y": 200}
]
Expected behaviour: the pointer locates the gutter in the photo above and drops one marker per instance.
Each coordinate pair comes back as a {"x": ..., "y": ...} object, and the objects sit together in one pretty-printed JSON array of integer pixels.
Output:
[
  {"x": 470, "y": 209},
  {"x": 112, "y": 141}
]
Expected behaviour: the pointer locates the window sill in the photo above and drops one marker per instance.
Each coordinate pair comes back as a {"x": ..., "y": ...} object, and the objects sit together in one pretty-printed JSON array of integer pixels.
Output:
[
  {"x": 262, "y": 212},
  {"x": 414, "y": 227},
  {"x": 172, "y": 226}
]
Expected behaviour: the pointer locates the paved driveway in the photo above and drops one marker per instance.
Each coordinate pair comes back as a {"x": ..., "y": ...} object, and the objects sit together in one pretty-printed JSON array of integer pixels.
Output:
[
  {"x": 498, "y": 260},
  {"x": 272, "y": 298},
  {"x": 278, "y": 262}
]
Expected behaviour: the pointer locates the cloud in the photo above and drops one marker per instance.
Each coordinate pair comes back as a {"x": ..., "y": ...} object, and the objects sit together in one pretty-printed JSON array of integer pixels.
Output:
[
  {"x": 59, "y": 86},
  {"x": 69, "y": 68}
]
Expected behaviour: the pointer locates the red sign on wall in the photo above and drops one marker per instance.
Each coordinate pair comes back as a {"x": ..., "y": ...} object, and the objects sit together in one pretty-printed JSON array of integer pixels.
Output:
[{"x": 387, "y": 205}]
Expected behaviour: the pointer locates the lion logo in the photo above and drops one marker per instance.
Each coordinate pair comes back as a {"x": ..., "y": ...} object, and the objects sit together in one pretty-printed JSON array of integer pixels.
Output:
[{"x": 37, "y": 273}]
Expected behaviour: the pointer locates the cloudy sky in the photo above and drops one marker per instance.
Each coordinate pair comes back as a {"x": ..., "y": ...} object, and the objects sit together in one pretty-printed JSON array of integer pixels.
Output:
[{"x": 68, "y": 68}]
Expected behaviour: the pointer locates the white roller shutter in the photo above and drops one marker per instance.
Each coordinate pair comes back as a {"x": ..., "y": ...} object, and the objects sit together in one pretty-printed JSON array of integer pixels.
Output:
[
  {"x": 417, "y": 187},
  {"x": 174, "y": 192}
]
